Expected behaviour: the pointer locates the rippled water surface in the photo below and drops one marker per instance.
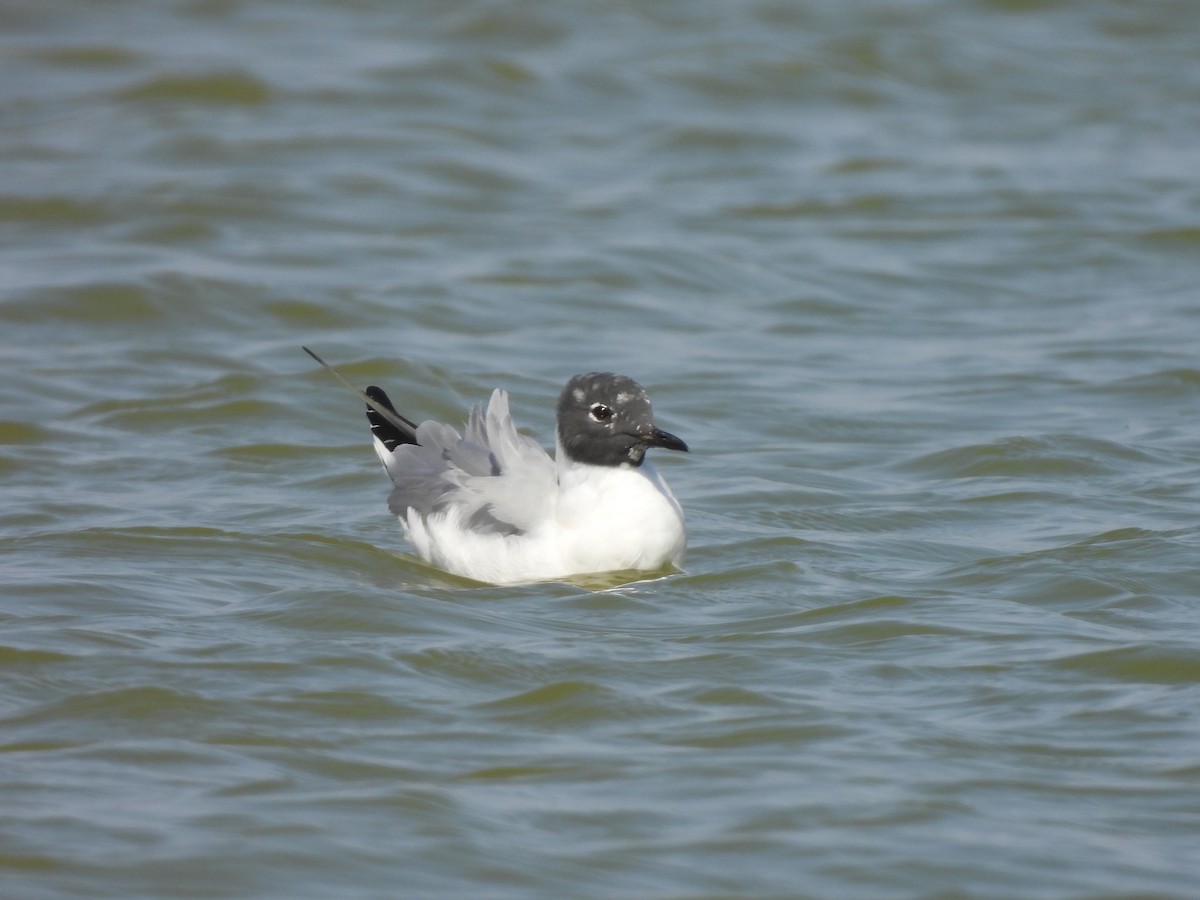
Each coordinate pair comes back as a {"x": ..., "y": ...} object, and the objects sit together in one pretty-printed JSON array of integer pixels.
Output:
[{"x": 918, "y": 283}]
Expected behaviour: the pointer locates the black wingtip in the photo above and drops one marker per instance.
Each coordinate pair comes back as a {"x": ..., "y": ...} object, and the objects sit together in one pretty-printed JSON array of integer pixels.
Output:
[{"x": 391, "y": 436}]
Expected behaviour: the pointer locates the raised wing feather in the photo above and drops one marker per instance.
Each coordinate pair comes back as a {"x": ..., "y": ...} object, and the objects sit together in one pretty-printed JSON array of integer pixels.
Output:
[{"x": 499, "y": 480}]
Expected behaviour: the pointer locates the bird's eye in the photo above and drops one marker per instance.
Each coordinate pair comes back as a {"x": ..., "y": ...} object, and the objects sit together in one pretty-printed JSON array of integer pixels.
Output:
[{"x": 600, "y": 413}]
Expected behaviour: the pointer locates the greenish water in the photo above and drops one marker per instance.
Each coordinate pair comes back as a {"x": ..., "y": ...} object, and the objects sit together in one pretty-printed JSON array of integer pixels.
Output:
[{"x": 916, "y": 282}]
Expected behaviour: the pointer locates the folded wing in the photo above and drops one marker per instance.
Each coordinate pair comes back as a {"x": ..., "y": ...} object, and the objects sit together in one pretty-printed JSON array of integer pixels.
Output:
[{"x": 497, "y": 479}]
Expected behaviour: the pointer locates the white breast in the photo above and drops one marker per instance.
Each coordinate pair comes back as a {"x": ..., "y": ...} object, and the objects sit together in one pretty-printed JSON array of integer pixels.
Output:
[{"x": 611, "y": 518}]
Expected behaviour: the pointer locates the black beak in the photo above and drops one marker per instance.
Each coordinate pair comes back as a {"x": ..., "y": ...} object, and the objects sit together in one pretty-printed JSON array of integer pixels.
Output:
[{"x": 659, "y": 438}]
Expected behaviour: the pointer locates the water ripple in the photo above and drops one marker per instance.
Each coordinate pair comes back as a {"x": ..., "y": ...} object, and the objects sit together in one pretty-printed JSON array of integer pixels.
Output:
[{"x": 915, "y": 281}]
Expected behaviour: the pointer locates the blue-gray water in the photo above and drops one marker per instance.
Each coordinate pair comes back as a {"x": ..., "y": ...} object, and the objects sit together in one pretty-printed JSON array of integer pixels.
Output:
[{"x": 918, "y": 282}]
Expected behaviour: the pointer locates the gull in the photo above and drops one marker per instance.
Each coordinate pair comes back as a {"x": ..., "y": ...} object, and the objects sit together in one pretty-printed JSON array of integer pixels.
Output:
[{"x": 493, "y": 506}]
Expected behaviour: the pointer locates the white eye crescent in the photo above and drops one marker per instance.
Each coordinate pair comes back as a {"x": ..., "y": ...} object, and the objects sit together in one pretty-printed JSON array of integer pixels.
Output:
[{"x": 600, "y": 413}]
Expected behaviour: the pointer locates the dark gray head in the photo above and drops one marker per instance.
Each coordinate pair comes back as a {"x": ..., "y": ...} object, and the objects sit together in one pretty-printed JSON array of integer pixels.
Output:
[{"x": 605, "y": 420}]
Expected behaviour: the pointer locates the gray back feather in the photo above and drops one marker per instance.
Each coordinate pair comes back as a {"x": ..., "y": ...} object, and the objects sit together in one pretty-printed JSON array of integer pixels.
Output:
[{"x": 496, "y": 476}]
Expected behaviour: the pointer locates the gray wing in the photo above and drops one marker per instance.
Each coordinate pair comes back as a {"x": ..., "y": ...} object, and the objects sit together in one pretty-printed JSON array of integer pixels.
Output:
[{"x": 499, "y": 480}]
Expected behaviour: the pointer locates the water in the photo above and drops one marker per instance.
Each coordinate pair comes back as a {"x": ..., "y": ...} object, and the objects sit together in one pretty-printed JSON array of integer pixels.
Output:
[{"x": 916, "y": 282}]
